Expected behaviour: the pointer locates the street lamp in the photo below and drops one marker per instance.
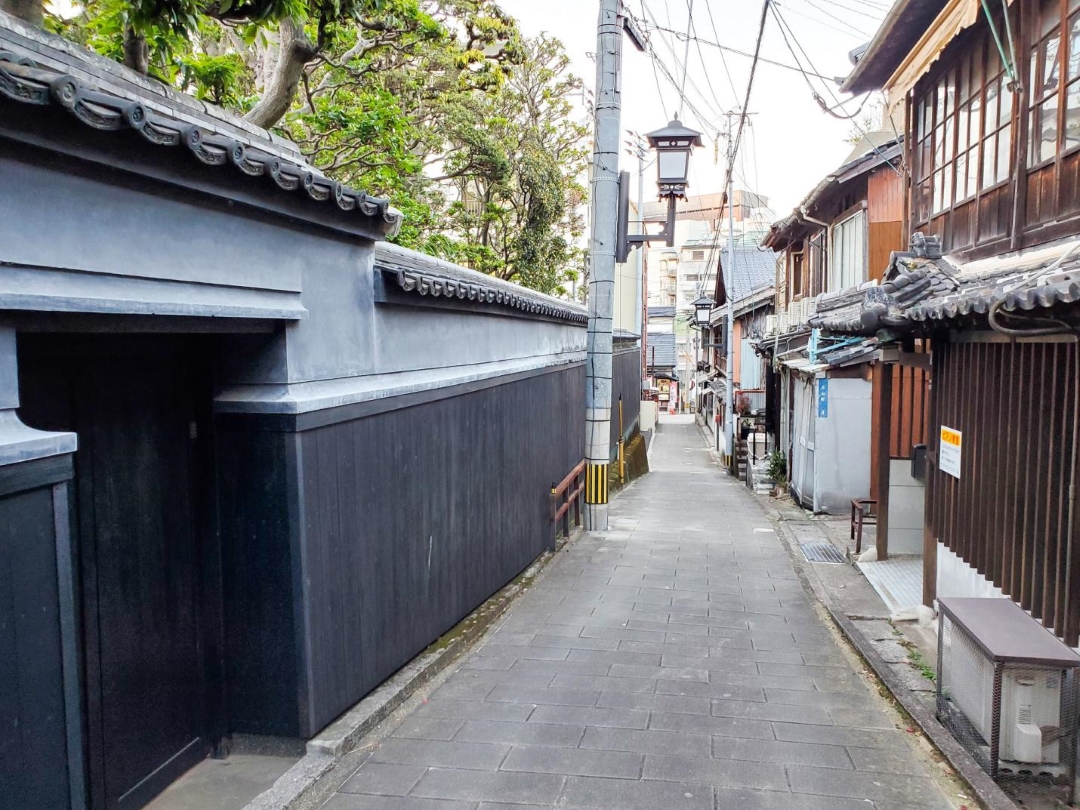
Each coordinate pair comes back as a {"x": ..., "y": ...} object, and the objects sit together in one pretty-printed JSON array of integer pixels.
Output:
[
  {"x": 702, "y": 310},
  {"x": 673, "y": 144}
]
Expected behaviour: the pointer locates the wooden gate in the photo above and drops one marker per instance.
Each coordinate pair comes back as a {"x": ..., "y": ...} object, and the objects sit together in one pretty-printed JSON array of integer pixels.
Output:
[{"x": 132, "y": 402}]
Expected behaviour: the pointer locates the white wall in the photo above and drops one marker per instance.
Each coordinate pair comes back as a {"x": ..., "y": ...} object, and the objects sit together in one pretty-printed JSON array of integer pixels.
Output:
[
  {"x": 842, "y": 447},
  {"x": 956, "y": 578},
  {"x": 648, "y": 415},
  {"x": 906, "y": 502}
]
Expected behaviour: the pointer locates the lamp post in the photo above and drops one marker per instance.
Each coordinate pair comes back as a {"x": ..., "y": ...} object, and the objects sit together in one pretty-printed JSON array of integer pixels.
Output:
[
  {"x": 674, "y": 145},
  {"x": 702, "y": 310}
]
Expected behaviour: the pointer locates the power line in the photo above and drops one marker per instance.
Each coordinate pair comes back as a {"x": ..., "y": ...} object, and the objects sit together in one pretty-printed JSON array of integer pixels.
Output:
[
  {"x": 716, "y": 34},
  {"x": 875, "y": 17},
  {"x": 785, "y": 29},
  {"x": 679, "y": 86},
  {"x": 686, "y": 54},
  {"x": 736, "y": 51},
  {"x": 814, "y": 19}
]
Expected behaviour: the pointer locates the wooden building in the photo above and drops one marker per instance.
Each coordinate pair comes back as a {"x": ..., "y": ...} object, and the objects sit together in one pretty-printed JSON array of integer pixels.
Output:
[
  {"x": 252, "y": 458},
  {"x": 994, "y": 156},
  {"x": 837, "y": 243}
]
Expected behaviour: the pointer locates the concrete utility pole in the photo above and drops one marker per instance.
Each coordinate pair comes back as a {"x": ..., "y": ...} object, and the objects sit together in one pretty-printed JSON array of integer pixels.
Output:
[
  {"x": 605, "y": 200},
  {"x": 729, "y": 432},
  {"x": 637, "y": 149}
]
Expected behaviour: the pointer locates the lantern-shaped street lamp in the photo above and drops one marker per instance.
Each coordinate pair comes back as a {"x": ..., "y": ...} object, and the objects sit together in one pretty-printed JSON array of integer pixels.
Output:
[
  {"x": 702, "y": 310},
  {"x": 673, "y": 145}
]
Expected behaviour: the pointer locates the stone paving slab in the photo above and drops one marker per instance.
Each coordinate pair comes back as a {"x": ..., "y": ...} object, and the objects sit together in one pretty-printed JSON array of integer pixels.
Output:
[{"x": 674, "y": 662}]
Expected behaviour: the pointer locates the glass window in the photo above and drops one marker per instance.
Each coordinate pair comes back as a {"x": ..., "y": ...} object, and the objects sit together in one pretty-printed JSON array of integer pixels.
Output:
[
  {"x": 847, "y": 260},
  {"x": 961, "y": 176},
  {"x": 989, "y": 165},
  {"x": 1074, "y": 48},
  {"x": 1071, "y": 135},
  {"x": 1004, "y": 154},
  {"x": 1043, "y": 134}
]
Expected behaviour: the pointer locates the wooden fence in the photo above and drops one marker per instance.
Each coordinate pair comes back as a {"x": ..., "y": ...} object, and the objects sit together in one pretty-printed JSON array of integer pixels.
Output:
[{"x": 1010, "y": 514}]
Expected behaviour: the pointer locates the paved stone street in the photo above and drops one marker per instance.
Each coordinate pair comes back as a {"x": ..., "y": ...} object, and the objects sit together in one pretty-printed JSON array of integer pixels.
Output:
[{"x": 674, "y": 664}]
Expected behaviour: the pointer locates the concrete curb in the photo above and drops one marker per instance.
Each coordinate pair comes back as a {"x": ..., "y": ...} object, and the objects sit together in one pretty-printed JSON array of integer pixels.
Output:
[
  {"x": 986, "y": 790},
  {"x": 341, "y": 737}
]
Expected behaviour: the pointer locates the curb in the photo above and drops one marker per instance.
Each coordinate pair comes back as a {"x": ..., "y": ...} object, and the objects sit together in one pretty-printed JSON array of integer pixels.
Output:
[
  {"x": 986, "y": 790},
  {"x": 341, "y": 737}
]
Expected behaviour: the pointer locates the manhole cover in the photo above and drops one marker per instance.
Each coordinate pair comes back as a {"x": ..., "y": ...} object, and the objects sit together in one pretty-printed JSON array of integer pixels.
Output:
[{"x": 822, "y": 552}]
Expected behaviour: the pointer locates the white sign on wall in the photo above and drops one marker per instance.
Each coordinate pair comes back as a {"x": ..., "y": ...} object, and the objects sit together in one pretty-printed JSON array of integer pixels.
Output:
[{"x": 949, "y": 451}]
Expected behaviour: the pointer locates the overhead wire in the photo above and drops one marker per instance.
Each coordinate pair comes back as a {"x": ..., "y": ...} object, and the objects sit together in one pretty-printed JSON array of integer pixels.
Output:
[
  {"x": 851, "y": 29},
  {"x": 786, "y": 30},
  {"x": 723, "y": 59},
  {"x": 729, "y": 49},
  {"x": 743, "y": 114}
]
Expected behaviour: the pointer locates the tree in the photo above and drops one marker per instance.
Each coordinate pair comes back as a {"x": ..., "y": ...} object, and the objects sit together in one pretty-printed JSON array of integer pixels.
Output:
[
  {"x": 283, "y": 40},
  {"x": 516, "y": 159},
  {"x": 437, "y": 104}
]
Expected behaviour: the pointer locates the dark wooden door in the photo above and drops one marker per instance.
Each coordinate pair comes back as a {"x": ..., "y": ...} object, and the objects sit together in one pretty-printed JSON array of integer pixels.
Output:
[{"x": 134, "y": 412}]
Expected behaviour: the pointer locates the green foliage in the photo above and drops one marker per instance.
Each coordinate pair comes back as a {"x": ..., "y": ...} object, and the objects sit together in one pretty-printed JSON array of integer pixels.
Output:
[
  {"x": 439, "y": 105},
  {"x": 218, "y": 79},
  {"x": 776, "y": 469}
]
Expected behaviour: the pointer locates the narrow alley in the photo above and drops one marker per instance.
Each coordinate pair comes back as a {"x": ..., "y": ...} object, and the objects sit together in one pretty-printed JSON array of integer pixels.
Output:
[{"x": 674, "y": 662}]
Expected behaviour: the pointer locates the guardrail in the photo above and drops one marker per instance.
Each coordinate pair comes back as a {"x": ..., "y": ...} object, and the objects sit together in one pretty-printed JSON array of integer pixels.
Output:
[{"x": 562, "y": 498}]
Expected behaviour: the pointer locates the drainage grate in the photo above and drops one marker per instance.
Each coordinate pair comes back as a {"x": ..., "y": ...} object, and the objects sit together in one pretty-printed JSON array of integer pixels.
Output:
[{"x": 822, "y": 553}]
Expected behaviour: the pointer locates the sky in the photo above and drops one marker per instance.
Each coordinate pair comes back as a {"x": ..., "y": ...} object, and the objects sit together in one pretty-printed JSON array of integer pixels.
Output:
[{"x": 790, "y": 143}]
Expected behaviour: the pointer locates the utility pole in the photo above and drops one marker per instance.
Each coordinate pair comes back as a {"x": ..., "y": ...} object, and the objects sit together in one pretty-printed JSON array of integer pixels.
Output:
[
  {"x": 605, "y": 199},
  {"x": 636, "y": 148},
  {"x": 729, "y": 339}
]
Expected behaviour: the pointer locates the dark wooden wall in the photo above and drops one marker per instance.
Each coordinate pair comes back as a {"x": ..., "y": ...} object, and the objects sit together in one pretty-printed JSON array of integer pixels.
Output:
[
  {"x": 359, "y": 542},
  {"x": 413, "y": 517},
  {"x": 257, "y": 515},
  {"x": 1008, "y": 515},
  {"x": 34, "y": 764},
  {"x": 625, "y": 382}
]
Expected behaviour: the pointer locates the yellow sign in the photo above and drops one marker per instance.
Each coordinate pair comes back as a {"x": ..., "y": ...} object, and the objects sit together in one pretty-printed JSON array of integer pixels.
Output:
[{"x": 949, "y": 451}]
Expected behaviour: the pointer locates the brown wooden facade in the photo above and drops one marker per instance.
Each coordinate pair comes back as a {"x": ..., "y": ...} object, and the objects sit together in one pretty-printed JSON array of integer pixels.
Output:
[
  {"x": 1011, "y": 514},
  {"x": 994, "y": 150}
]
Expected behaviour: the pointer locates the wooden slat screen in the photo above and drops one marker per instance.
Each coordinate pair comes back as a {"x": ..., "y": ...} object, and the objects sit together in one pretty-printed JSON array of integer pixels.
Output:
[{"x": 1009, "y": 514}]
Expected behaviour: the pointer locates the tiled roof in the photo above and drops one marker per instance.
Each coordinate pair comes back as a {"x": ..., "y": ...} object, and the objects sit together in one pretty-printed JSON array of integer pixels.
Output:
[
  {"x": 754, "y": 271},
  {"x": 169, "y": 120},
  {"x": 424, "y": 275},
  {"x": 919, "y": 290},
  {"x": 660, "y": 350},
  {"x": 661, "y": 312}
]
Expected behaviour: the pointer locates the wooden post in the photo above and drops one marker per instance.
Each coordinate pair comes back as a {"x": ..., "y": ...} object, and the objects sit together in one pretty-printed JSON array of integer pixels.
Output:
[
  {"x": 929, "y": 575},
  {"x": 884, "y": 375}
]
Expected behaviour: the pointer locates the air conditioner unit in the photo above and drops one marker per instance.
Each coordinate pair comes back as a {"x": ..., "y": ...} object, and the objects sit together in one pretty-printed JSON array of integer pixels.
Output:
[
  {"x": 770, "y": 324},
  {"x": 1030, "y": 702},
  {"x": 783, "y": 321},
  {"x": 1007, "y": 689}
]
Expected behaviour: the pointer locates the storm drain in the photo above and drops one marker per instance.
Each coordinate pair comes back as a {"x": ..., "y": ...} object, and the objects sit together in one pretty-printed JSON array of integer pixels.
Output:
[{"x": 822, "y": 553}]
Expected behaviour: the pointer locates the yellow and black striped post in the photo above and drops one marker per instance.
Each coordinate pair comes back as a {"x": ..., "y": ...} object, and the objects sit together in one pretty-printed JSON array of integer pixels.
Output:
[{"x": 596, "y": 483}]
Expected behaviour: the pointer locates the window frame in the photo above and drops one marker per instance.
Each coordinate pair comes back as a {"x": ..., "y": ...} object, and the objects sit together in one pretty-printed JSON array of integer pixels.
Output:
[
  {"x": 836, "y": 269},
  {"x": 956, "y": 116}
]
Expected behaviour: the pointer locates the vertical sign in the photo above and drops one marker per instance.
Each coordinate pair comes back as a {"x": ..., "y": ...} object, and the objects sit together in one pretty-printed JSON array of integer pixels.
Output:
[
  {"x": 949, "y": 451},
  {"x": 823, "y": 398}
]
